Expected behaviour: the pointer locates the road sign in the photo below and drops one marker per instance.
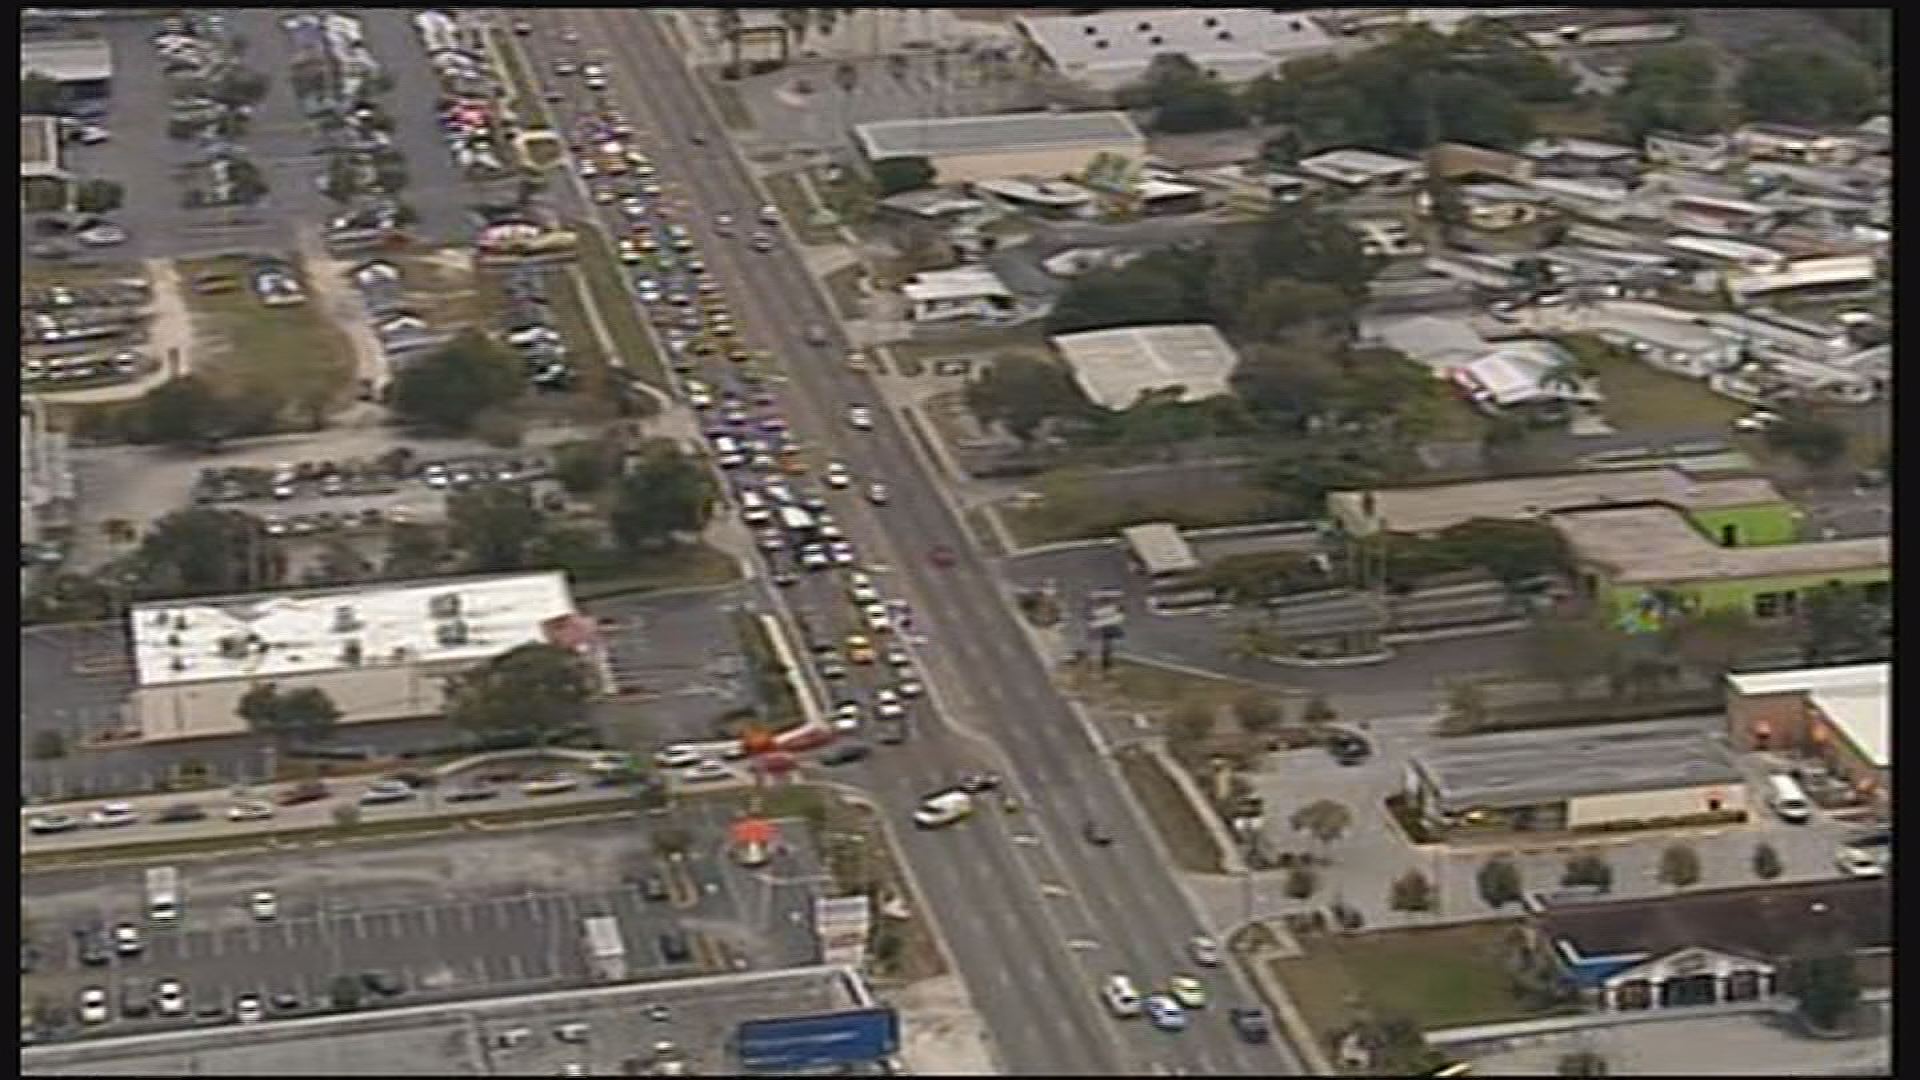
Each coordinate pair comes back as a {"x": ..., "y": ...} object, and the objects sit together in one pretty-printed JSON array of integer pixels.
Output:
[{"x": 789, "y": 1044}]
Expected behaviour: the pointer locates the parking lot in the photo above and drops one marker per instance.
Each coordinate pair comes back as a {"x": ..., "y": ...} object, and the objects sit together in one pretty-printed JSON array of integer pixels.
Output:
[
  {"x": 464, "y": 916},
  {"x": 625, "y": 1027}
]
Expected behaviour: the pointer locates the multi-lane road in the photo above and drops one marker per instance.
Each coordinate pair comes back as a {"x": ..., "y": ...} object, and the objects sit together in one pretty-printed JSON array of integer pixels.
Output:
[{"x": 1034, "y": 914}]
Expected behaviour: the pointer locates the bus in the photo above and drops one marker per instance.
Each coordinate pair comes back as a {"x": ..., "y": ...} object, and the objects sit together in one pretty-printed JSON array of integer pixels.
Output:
[{"x": 163, "y": 894}]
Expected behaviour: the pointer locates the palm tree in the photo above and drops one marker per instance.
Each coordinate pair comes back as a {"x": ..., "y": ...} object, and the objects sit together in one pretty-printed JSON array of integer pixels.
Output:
[
  {"x": 847, "y": 78},
  {"x": 797, "y": 21}
]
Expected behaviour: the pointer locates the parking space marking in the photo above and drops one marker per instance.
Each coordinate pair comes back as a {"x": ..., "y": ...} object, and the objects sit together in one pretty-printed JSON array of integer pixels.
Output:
[
  {"x": 466, "y": 917},
  {"x": 515, "y": 967}
]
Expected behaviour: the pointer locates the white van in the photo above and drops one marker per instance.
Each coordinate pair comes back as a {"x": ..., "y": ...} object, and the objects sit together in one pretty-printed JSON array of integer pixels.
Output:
[
  {"x": 728, "y": 450},
  {"x": 1787, "y": 800}
]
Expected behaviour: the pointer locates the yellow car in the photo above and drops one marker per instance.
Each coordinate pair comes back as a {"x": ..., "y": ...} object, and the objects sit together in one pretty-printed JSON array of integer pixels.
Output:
[
  {"x": 859, "y": 649},
  {"x": 739, "y": 355}
]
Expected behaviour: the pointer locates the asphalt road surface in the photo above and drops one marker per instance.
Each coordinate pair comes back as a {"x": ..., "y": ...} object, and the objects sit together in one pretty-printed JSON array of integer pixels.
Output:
[{"x": 1034, "y": 925}]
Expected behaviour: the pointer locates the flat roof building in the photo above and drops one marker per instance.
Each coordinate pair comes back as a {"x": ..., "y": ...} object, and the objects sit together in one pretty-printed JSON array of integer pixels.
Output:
[
  {"x": 40, "y": 150},
  {"x": 1432, "y": 508},
  {"x": 1646, "y": 545},
  {"x": 1838, "y": 716},
  {"x": 381, "y": 653},
  {"x": 970, "y": 148},
  {"x": 1107, "y": 50},
  {"x": 82, "y": 63},
  {"x": 1364, "y": 170},
  {"x": 1158, "y": 549},
  {"x": 964, "y": 292},
  {"x": 1602, "y": 776},
  {"x": 1115, "y": 367}
]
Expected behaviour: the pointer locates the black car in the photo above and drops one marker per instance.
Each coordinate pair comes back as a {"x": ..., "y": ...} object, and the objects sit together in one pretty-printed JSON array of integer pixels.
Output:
[
  {"x": 1348, "y": 748},
  {"x": 95, "y": 949},
  {"x": 383, "y": 983},
  {"x": 210, "y": 1012},
  {"x": 136, "y": 999},
  {"x": 975, "y": 783},
  {"x": 284, "y": 1001},
  {"x": 674, "y": 948},
  {"x": 179, "y": 812},
  {"x": 653, "y": 887},
  {"x": 846, "y": 754},
  {"x": 1097, "y": 834},
  {"x": 471, "y": 793},
  {"x": 1251, "y": 1024},
  {"x": 29, "y": 958}
]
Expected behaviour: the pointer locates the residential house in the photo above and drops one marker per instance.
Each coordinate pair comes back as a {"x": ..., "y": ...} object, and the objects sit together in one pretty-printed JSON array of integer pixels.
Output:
[
  {"x": 1722, "y": 217},
  {"x": 1493, "y": 205},
  {"x": 1782, "y": 142},
  {"x": 1582, "y": 157},
  {"x": 1838, "y": 716},
  {"x": 1595, "y": 197},
  {"x": 1705, "y": 153},
  {"x": 971, "y": 292},
  {"x": 1455, "y": 160},
  {"x": 1365, "y": 171}
]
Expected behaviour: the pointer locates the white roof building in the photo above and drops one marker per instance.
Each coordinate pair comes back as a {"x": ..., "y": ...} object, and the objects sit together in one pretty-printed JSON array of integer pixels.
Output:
[
  {"x": 1159, "y": 549},
  {"x": 1361, "y": 168},
  {"x": 1111, "y": 49},
  {"x": 379, "y": 652},
  {"x": 1522, "y": 373},
  {"x": 960, "y": 293},
  {"x": 1115, "y": 367}
]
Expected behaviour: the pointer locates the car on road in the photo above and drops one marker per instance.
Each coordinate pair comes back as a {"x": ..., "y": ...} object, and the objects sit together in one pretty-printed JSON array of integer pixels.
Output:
[
  {"x": 103, "y": 236},
  {"x": 49, "y": 823},
  {"x": 382, "y": 983},
  {"x": 304, "y": 792},
  {"x": 653, "y": 888},
  {"x": 878, "y": 495},
  {"x": 248, "y": 1009},
  {"x": 284, "y": 1001},
  {"x": 1121, "y": 996},
  {"x": 674, "y": 948},
  {"x": 1188, "y": 991},
  {"x": 704, "y": 772},
  {"x": 847, "y": 716},
  {"x": 860, "y": 417},
  {"x": 249, "y": 811},
  {"x": 135, "y": 999},
  {"x": 551, "y": 785},
  {"x": 860, "y": 588},
  {"x": 1204, "y": 950},
  {"x": 264, "y": 905},
  {"x": 1756, "y": 421},
  {"x": 1251, "y": 1024},
  {"x": 842, "y": 553},
  {"x": 1862, "y": 862},
  {"x": 678, "y": 756},
  {"x": 386, "y": 791},
  {"x": 879, "y": 619},
  {"x": 181, "y": 812},
  {"x": 1165, "y": 1013},
  {"x": 887, "y": 706},
  {"x": 1347, "y": 747},
  {"x": 210, "y": 1012},
  {"x": 846, "y": 754},
  {"x": 114, "y": 814},
  {"x": 762, "y": 242},
  {"x": 127, "y": 940},
  {"x": 1096, "y": 834},
  {"x": 909, "y": 685},
  {"x": 816, "y": 334},
  {"x": 170, "y": 998},
  {"x": 470, "y": 793},
  {"x": 975, "y": 783},
  {"x": 859, "y": 649},
  {"x": 96, "y": 948},
  {"x": 93, "y": 1006},
  {"x": 942, "y": 556},
  {"x": 837, "y": 476}
]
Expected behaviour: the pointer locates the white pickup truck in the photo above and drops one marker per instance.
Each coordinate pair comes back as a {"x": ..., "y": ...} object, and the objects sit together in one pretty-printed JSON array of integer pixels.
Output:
[{"x": 943, "y": 808}]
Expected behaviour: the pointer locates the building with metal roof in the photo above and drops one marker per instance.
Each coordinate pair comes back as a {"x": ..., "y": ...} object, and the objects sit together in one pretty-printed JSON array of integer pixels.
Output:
[
  {"x": 1107, "y": 50},
  {"x": 1431, "y": 508},
  {"x": 79, "y": 64},
  {"x": 1115, "y": 367},
  {"x": 1043, "y": 144}
]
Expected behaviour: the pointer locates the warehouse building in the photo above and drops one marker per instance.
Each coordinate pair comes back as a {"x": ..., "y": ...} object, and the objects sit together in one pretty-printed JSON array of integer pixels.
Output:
[
  {"x": 1612, "y": 776},
  {"x": 1107, "y": 50},
  {"x": 969, "y": 148},
  {"x": 1711, "y": 947},
  {"x": 82, "y": 66},
  {"x": 1839, "y": 717},
  {"x": 380, "y": 653},
  {"x": 1116, "y": 367}
]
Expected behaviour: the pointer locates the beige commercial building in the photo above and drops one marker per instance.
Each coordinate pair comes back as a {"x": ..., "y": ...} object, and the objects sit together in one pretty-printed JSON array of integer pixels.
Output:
[
  {"x": 381, "y": 653},
  {"x": 1046, "y": 146}
]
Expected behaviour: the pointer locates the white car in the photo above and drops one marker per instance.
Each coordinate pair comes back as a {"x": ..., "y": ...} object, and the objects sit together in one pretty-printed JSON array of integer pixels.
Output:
[
  {"x": 879, "y": 619},
  {"x": 170, "y": 998},
  {"x": 860, "y": 587},
  {"x": 887, "y": 705},
  {"x": 1121, "y": 996},
  {"x": 815, "y": 557},
  {"x": 828, "y": 528},
  {"x": 264, "y": 905},
  {"x": 1756, "y": 421},
  {"x": 842, "y": 554},
  {"x": 877, "y": 494},
  {"x": 860, "y": 417},
  {"x": 114, "y": 814},
  {"x": 550, "y": 785},
  {"x": 847, "y": 717},
  {"x": 126, "y": 939},
  {"x": 248, "y": 1010},
  {"x": 909, "y": 684},
  {"x": 837, "y": 476},
  {"x": 705, "y": 771},
  {"x": 103, "y": 236},
  {"x": 93, "y": 1006},
  {"x": 677, "y": 756},
  {"x": 770, "y": 214},
  {"x": 249, "y": 811},
  {"x": 1860, "y": 863},
  {"x": 1204, "y": 950}
]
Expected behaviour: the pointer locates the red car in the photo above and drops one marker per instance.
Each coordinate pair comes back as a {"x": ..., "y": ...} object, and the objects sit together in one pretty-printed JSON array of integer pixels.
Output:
[{"x": 943, "y": 557}]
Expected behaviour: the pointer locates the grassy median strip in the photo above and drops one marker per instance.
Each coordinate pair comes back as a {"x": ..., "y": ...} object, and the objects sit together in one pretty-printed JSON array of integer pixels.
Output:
[
  {"x": 617, "y": 306},
  {"x": 781, "y": 705},
  {"x": 733, "y": 109},
  {"x": 844, "y": 286},
  {"x": 798, "y": 209},
  {"x": 526, "y": 91},
  {"x": 1179, "y": 824}
]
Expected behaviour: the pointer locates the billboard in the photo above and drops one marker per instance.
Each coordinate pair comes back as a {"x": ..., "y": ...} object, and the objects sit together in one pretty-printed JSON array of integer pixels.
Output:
[{"x": 819, "y": 1041}]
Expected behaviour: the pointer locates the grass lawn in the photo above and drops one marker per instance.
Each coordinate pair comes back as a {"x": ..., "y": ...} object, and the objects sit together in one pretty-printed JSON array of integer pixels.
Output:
[
  {"x": 294, "y": 353},
  {"x": 1573, "y": 121},
  {"x": 1640, "y": 397},
  {"x": 799, "y": 210},
  {"x": 617, "y": 307},
  {"x": 79, "y": 272},
  {"x": 1457, "y": 421},
  {"x": 526, "y": 91},
  {"x": 1083, "y": 512},
  {"x": 844, "y": 286},
  {"x": 443, "y": 285},
  {"x": 1152, "y": 686},
  {"x": 1175, "y": 818},
  {"x": 688, "y": 567},
  {"x": 1444, "y": 977},
  {"x": 733, "y": 110}
]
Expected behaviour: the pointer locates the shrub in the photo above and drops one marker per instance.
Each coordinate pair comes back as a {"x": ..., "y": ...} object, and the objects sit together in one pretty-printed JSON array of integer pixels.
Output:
[{"x": 1301, "y": 882}]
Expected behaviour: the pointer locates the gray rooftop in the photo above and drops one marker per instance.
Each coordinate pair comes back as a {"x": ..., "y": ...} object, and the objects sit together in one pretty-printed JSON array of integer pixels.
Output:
[
  {"x": 1495, "y": 772},
  {"x": 68, "y": 59},
  {"x": 990, "y": 134}
]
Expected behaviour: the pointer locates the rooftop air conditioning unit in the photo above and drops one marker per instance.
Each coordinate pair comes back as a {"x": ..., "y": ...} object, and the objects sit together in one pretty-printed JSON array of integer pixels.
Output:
[
  {"x": 350, "y": 652},
  {"x": 452, "y": 632},
  {"x": 233, "y": 647},
  {"x": 444, "y": 606},
  {"x": 345, "y": 619}
]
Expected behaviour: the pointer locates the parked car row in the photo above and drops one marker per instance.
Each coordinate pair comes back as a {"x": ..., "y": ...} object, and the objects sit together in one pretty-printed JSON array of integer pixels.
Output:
[{"x": 528, "y": 326}]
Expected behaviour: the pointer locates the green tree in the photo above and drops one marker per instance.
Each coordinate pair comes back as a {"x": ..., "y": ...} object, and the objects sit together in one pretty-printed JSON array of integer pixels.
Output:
[
  {"x": 49, "y": 744},
  {"x": 200, "y": 552},
  {"x": 663, "y": 495},
  {"x": 1581, "y": 1063},
  {"x": 39, "y": 94},
  {"x": 1411, "y": 891},
  {"x": 1145, "y": 292},
  {"x": 1258, "y": 712},
  {"x": 188, "y": 413},
  {"x": 1342, "y": 463},
  {"x": 1322, "y": 819},
  {"x": 1679, "y": 866},
  {"x": 1467, "y": 708},
  {"x": 672, "y": 840},
  {"x": 1021, "y": 392},
  {"x": 1396, "y": 1046},
  {"x": 1570, "y": 651},
  {"x": 1311, "y": 244},
  {"x": 1319, "y": 711},
  {"x": 495, "y": 525},
  {"x": 1499, "y": 882},
  {"x": 1286, "y": 383},
  {"x": 537, "y": 689},
  {"x": 1814, "y": 442},
  {"x": 239, "y": 86},
  {"x": 1766, "y": 862},
  {"x": 1190, "y": 723},
  {"x": 1282, "y": 306},
  {"x": 1825, "y": 982},
  {"x": 1587, "y": 870},
  {"x": 896, "y": 175},
  {"x": 448, "y": 388},
  {"x": 1838, "y": 621},
  {"x": 1711, "y": 641},
  {"x": 1670, "y": 88},
  {"x": 585, "y": 467},
  {"x": 95, "y": 196},
  {"x": 1301, "y": 881},
  {"x": 413, "y": 550},
  {"x": 305, "y": 714},
  {"x": 1183, "y": 98},
  {"x": 1512, "y": 552},
  {"x": 1804, "y": 84}
]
